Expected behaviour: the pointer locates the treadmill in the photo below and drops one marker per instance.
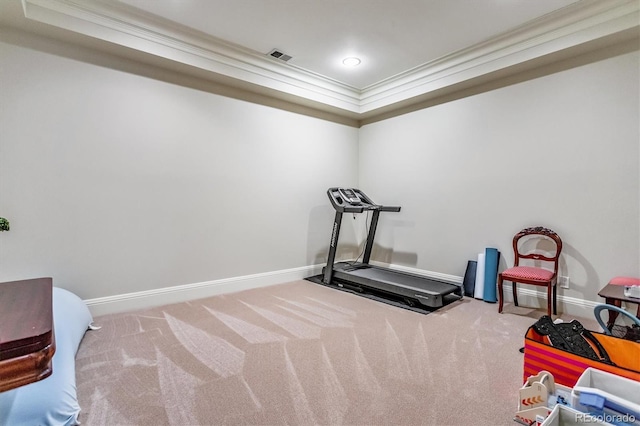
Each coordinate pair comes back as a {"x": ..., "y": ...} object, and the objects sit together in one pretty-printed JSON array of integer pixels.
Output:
[{"x": 413, "y": 289}]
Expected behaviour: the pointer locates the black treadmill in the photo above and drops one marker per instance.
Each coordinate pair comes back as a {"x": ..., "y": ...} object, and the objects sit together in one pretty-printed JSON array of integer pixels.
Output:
[{"x": 361, "y": 276}]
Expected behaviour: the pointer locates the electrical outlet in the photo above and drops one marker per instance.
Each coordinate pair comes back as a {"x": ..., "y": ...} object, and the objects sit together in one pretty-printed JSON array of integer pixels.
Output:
[{"x": 563, "y": 282}]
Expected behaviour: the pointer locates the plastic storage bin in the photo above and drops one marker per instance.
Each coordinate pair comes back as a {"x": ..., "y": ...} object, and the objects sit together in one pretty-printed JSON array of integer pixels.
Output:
[
  {"x": 604, "y": 393},
  {"x": 562, "y": 415}
]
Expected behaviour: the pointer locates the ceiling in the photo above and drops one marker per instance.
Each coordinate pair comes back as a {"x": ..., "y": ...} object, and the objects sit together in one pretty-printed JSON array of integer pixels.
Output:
[
  {"x": 411, "y": 50},
  {"x": 388, "y": 36}
]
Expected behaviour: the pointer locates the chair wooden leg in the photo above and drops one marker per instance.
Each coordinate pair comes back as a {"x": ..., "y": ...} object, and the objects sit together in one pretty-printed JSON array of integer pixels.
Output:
[
  {"x": 555, "y": 299},
  {"x": 515, "y": 293},
  {"x": 500, "y": 301},
  {"x": 549, "y": 299}
]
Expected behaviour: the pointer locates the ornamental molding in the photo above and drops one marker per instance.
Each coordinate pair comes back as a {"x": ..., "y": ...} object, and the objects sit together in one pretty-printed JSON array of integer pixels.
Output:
[{"x": 561, "y": 31}]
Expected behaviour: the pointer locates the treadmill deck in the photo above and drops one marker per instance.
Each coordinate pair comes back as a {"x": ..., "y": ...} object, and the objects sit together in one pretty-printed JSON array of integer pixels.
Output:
[{"x": 427, "y": 291}]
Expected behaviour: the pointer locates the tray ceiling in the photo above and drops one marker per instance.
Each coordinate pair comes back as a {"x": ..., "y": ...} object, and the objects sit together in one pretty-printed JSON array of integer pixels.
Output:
[{"x": 411, "y": 50}]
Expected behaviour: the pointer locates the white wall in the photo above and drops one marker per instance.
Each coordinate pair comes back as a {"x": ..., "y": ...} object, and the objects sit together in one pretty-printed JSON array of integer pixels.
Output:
[
  {"x": 560, "y": 151},
  {"x": 115, "y": 182},
  {"x": 118, "y": 182}
]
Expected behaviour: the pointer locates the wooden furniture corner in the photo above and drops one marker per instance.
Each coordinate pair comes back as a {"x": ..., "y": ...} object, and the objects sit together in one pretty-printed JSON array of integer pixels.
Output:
[
  {"x": 614, "y": 295},
  {"x": 27, "y": 341}
]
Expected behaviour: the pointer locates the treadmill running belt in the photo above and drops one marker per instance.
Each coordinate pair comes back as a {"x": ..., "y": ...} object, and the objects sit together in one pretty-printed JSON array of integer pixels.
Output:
[{"x": 408, "y": 281}]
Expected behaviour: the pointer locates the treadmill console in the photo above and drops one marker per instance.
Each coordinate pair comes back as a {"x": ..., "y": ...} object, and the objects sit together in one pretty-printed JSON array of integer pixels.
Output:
[
  {"x": 352, "y": 200},
  {"x": 349, "y": 195},
  {"x": 348, "y": 200}
]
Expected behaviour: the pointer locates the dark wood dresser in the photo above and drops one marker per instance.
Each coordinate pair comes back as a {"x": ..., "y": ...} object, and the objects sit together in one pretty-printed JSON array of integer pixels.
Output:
[{"x": 27, "y": 341}]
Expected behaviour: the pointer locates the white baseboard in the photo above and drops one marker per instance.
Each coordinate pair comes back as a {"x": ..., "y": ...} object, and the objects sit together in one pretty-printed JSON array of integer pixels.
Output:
[
  {"x": 569, "y": 306},
  {"x": 167, "y": 295}
]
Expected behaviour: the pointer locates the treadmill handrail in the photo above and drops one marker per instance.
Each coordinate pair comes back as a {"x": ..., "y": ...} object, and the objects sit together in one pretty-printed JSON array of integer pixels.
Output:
[{"x": 389, "y": 208}]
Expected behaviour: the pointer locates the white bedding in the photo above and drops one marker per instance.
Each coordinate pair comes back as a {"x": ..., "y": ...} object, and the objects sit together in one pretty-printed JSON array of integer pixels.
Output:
[{"x": 52, "y": 401}]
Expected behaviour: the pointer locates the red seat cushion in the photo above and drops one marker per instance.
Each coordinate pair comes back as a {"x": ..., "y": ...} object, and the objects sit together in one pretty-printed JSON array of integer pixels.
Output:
[
  {"x": 527, "y": 273},
  {"x": 626, "y": 281}
]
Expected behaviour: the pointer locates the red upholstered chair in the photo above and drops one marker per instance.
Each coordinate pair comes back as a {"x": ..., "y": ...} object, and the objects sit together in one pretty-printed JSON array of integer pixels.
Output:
[{"x": 546, "y": 250}]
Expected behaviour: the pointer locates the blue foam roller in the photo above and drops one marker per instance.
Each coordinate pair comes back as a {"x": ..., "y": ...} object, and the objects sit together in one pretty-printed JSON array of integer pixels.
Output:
[{"x": 491, "y": 258}]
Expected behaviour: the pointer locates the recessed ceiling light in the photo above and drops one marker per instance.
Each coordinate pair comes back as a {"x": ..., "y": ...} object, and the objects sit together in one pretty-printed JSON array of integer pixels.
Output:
[{"x": 351, "y": 62}]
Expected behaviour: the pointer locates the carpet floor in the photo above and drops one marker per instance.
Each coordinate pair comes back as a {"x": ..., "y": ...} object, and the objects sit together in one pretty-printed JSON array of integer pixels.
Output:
[{"x": 302, "y": 354}]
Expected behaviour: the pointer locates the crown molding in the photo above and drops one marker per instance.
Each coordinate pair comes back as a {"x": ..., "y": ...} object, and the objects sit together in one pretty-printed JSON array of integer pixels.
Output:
[
  {"x": 576, "y": 25},
  {"x": 110, "y": 22},
  {"x": 567, "y": 28}
]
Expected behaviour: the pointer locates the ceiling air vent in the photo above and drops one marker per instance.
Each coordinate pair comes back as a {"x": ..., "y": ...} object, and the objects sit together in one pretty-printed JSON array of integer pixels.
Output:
[{"x": 275, "y": 53}]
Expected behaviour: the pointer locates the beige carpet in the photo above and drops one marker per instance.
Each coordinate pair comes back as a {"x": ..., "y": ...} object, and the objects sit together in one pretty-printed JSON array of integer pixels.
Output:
[{"x": 302, "y": 354}]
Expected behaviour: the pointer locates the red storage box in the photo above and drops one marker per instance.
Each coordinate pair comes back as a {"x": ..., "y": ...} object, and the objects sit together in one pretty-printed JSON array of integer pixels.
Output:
[{"x": 567, "y": 367}]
